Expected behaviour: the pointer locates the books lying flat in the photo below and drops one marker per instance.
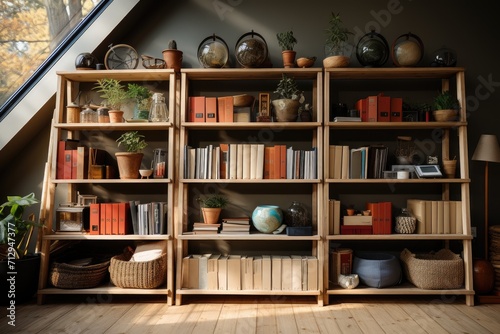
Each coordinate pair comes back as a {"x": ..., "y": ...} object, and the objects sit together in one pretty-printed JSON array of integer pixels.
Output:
[{"x": 347, "y": 119}]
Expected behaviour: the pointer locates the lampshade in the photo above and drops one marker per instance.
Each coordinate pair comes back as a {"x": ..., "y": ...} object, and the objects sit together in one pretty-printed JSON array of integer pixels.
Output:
[{"x": 487, "y": 149}]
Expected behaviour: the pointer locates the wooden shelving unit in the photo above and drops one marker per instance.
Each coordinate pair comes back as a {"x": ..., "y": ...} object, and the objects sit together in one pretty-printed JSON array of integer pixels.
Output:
[
  {"x": 69, "y": 84},
  {"x": 247, "y": 194},
  {"x": 337, "y": 82}
]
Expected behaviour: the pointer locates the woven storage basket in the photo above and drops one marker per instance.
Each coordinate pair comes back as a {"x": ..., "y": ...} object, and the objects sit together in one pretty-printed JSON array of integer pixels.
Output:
[
  {"x": 140, "y": 275},
  {"x": 68, "y": 276},
  {"x": 441, "y": 270}
]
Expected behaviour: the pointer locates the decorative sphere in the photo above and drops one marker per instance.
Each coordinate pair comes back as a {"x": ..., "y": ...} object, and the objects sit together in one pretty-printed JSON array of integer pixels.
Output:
[
  {"x": 267, "y": 218},
  {"x": 251, "y": 50},
  {"x": 407, "y": 53},
  {"x": 372, "y": 50},
  {"x": 213, "y": 54}
]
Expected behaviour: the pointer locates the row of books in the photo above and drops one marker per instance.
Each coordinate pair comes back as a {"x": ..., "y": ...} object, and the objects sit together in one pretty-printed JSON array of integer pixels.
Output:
[
  {"x": 379, "y": 221},
  {"x": 109, "y": 218},
  {"x": 216, "y": 109},
  {"x": 242, "y": 272},
  {"x": 249, "y": 162},
  {"x": 239, "y": 225},
  {"x": 380, "y": 108},
  {"x": 368, "y": 162},
  {"x": 437, "y": 217},
  {"x": 75, "y": 161},
  {"x": 148, "y": 218}
]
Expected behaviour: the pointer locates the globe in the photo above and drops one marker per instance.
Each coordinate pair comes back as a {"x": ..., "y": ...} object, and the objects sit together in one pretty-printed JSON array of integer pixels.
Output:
[
  {"x": 251, "y": 50},
  {"x": 372, "y": 50},
  {"x": 267, "y": 218},
  {"x": 213, "y": 54},
  {"x": 407, "y": 53}
]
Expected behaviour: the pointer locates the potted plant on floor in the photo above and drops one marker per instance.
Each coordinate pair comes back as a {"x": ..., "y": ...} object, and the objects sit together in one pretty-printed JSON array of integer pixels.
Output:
[
  {"x": 129, "y": 162},
  {"x": 211, "y": 207},
  {"x": 290, "y": 98},
  {"x": 446, "y": 107},
  {"x": 337, "y": 49},
  {"x": 115, "y": 95},
  {"x": 286, "y": 41},
  {"x": 142, "y": 96},
  {"x": 15, "y": 236}
]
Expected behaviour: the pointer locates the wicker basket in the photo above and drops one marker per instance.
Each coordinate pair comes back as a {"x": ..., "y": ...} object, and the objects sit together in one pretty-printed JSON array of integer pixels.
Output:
[
  {"x": 441, "y": 270},
  {"x": 68, "y": 276},
  {"x": 140, "y": 275}
]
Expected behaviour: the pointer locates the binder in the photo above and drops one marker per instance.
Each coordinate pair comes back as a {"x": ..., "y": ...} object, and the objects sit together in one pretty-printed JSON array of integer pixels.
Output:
[
  {"x": 396, "y": 109},
  {"x": 383, "y": 108}
]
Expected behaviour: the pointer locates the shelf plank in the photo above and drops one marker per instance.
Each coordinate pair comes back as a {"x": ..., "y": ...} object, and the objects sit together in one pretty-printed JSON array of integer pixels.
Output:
[
  {"x": 60, "y": 236},
  {"x": 124, "y": 75},
  {"x": 394, "y": 73},
  {"x": 107, "y": 289},
  {"x": 280, "y": 181},
  {"x": 253, "y": 74},
  {"x": 405, "y": 289},
  {"x": 247, "y": 292},
  {"x": 117, "y": 181},
  {"x": 252, "y": 236},
  {"x": 391, "y": 181},
  {"x": 400, "y": 237},
  {"x": 394, "y": 125},
  {"x": 251, "y": 125},
  {"x": 114, "y": 126}
]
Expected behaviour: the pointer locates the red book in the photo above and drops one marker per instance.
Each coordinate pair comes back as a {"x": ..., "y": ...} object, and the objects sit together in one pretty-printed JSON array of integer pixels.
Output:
[
  {"x": 74, "y": 164},
  {"x": 362, "y": 107},
  {"x": 374, "y": 208},
  {"x": 114, "y": 218},
  {"x": 282, "y": 161},
  {"x": 371, "y": 107},
  {"x": 197, "y": 108},
  {"x": 224, "y": 155},
  {"x": 383, "y": 108},
  {"x": 123, "y": 217},
  {"x": 211, "y": 109},
  {"x": 387, "y": 217},
  {"x": 229, "y": 109},
  {"x": 108, "y": 213},
  {"x": 221, "y": 106},
  {"x": 67, "y": 166},
  {"x": 396, "y": 109},
  {"x": 269, "y": 162},
  {"x": 63, "y": 145},
  {"x": 94, "y": 218}
]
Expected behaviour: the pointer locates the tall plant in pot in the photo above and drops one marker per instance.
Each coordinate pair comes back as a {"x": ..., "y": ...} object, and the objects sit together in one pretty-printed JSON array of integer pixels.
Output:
[
  {"x": 211, "y": 207},
  {"x": 15, "y": 236},
  {"x": 337, "y": 49},
  {"x": 286, "y": 41},
  {"x": 129, "y": 162},
  {"x": 115, "y": 95},
  {"x": 290, "y": 98},
  {"x": 446, "y": 107}
]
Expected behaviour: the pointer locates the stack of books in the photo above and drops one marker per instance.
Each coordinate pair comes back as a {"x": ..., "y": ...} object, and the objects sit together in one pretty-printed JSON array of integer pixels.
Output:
[
  {"x": 202, "y": 228},
  {"x": 235, "y": 226}
]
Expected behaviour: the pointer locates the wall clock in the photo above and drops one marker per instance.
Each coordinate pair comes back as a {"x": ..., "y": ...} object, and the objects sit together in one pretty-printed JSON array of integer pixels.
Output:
[{"x": 121, "y": 57}]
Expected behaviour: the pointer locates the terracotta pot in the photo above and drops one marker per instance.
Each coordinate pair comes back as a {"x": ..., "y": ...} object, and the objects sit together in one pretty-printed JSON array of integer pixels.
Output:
[
  {"x": 336, "y": 61},
  {"x": 288, "y": 58},
  {"x": 211, "y": 215},
  {"x": 129, "y": 164},
  {"x": 286, "y": 110},
  {"x": 115, "y": 116},
  {"x": 173, "y": 59}
]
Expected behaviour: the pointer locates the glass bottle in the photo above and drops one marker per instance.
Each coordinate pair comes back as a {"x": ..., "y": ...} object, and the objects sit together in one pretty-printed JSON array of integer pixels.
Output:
[
  {"x": 159, "y": 110},
  {"x": 159, "y": 163}
]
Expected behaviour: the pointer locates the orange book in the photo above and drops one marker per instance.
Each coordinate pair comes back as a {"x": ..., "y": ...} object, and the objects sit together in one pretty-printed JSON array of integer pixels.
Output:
[
  {"x": 282, "y": 161},
  {"x": 67, "y": 166},
  {"x": 114, "y": 218},
  {"x": 74, "y": 164},
  {"x": 269, "y": 162},
  {"x": 229, "y": 109},
  {"x": 94, "y": 219},
  {"x": 276, "y": 172},
  {"x": 224, "y": 156},
  {"x": 374, "y": 208},
  {"x": 211, "y": 109},
  {"x": 108, "y": 213},
  {"x": 361, "y": 106},
  {"x": 371, "y": 108},
  {"x": 221, "y": 106},
  {"x": 63, "y": 145},
  {"x": 387, "y": 229},
  {"x": 197, "y": 108},
  {"x": 383, "y": 108},
  {"x": 123, "y": 217},
  {"x": 396, "y": 109},
  {"x": 102, "y": 218}
]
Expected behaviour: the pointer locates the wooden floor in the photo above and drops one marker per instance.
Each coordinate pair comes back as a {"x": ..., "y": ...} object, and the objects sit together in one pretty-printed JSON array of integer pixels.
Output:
[{"x": 275, "y": 314}]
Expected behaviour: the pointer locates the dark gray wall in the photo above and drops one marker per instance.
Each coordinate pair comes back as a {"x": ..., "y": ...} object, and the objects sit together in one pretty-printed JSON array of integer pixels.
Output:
[{"x": 470, "y": 28}]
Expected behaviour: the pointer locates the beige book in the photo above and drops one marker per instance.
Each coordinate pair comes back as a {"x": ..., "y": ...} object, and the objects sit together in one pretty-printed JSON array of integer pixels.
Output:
[
  {"x": 336, "y": 217},
  {"x": 213, "y": 272},
  {"x": 259, "y": 166},
  {"x": 185, "y": 272},
  {"x": 331, "y": 162},
  {"x": 345, "y": 162},
  {"x": 234, "y": 272},
  {"x": 253, "y": 161},
  {"x": 434, "y": 214},
  {"x": 233, "y": 161},
  {"x": 257, "y": 273},
  {"x": 305, "y": 283},
  {"x": 428, "y": 217},
  {"x": 239, "y": 162},
  {"x": 276, "y": 272},
  {"x": 266, "y": 272},
  {"x": 222, "y": 272},
  {"x": 247, "y": 272},
  {"x": 203, "y": 271},
  {"x": 246, "y": 161},
  {"x": 440, "y": 217},
  {"x": 194, "y": 271},
  {"x": 286, "y": 273},
  {"x": 446, "y": 217},
  {"x": 453, "y": 217},
  {"x": 417, "y": 209},
  {"x": 337, "y": 170},
  {"x": 296, "y": 272},
  {"x": 459, "y": 219},
  {"x": 312, "y": 273},
  {"x": 330, "y": 216}
]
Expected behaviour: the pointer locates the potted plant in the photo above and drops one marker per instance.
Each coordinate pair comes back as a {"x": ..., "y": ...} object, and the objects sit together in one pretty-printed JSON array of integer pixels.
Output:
[
  {"x": 289, "y": 101},
  {"x": 172, "y": 56},
  {"x": 129, "y": 162},
  {"x": 115, "y": 95},
  {"x": 337, "y": 49},
  {"x": 142, "y": 96},
  {"x": 446, "y": 107},
  {"x": 286, "y": 41},
  {"x": 211, "y": 207},
  {"x": 15, "y": 237}
]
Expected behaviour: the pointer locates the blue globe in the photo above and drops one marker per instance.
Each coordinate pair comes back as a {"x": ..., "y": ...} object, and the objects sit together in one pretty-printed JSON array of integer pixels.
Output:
[{"x": 267, "y": 218}]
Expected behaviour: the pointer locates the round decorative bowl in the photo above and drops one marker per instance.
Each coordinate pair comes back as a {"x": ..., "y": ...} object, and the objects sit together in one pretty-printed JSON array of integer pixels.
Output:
[
  {"x": 306, "y": 61},
  {"x": 445, "y": 115},
  {"x": 267, "y": 218},
  {"x": 145, "y": 173}
]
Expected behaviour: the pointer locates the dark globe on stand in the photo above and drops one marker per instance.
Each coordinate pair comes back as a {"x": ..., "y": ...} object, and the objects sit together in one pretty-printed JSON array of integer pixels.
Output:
[{"x": 372, "y": 50}]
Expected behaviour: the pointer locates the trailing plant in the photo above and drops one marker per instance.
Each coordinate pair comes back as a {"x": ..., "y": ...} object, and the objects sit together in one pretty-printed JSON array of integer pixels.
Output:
[
  {"x": 141, "y": 95},
  {"x": 214, "y": 201},
  {"x": 286, "y": 40},
  {"x": 446, "y": 100},
  {"x": 336, "y": 34},
  {"x": 112, "y": 91},
  {"x": 288, "y": 89},
  {"x": 133, "y": 141}
]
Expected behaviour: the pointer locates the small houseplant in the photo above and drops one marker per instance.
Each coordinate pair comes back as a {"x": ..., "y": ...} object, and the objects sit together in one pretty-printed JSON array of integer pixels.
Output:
[
  {"x": 15, "y": 237},
  {"x": 446, "y": 107},
  {"x": 115, "y": 95},
  {"x": 129, "y": 162},
  {"x": 172, "y": 56},
  {"x": 289, "y": 101},
  {"x": 286, "y": 41},
  {"x": 211, "y": 207},
  {"x": 337, "y": 49},
  {"x": 142, "y": 96}
]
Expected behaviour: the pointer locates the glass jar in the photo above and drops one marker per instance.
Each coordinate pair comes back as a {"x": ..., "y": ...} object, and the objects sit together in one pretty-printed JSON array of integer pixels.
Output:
[
  {"x": 159, "y": 110},
  {"x": 87, "y": 115},
  {"x": 159, "y": 163},
  {"x": 405, "y": 222},
  {"x": 296, "y": 215}
]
